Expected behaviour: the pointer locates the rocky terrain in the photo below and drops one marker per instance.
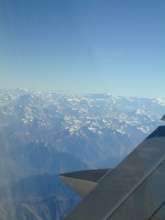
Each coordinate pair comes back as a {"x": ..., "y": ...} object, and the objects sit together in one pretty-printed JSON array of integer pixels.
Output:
[{"x": 45, "y": 133}]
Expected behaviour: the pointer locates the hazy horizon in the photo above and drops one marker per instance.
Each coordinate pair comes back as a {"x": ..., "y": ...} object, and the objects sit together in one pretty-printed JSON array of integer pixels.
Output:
[{"x": 75, "y": 93}]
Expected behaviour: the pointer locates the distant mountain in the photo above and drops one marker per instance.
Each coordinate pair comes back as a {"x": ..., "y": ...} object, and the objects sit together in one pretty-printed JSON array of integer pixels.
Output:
[{"x": 48, "y": 132}]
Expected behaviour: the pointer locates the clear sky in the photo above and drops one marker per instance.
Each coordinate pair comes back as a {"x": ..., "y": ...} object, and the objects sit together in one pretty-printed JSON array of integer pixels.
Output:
[{"x": 115, "y": 46}]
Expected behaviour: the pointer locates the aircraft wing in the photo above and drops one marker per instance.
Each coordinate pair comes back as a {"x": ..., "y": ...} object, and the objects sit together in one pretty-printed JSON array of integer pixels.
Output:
[{"x": 134, "y": 190}]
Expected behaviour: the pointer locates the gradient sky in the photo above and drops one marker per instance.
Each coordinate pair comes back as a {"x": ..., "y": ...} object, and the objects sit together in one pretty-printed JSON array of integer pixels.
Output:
[{"x": 115, "y": 46}]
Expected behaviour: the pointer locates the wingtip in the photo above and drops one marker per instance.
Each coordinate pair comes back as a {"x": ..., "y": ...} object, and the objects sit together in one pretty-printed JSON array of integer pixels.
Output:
[
  {"x": 163, "y": 118},
  {"x": 82, "y": 187}
]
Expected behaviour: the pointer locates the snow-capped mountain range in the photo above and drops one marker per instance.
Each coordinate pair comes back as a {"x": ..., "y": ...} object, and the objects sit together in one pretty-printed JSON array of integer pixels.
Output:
[
  {"x": 93, "y": 128},
  {"x": 73, "y": 112},
  {"x": 102, "y": 123},
  {"x": 46, "y": 133}
]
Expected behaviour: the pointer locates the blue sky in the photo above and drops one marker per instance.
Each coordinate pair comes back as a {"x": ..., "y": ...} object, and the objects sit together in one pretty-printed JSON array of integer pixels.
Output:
[{"x": 114, "y": 46}]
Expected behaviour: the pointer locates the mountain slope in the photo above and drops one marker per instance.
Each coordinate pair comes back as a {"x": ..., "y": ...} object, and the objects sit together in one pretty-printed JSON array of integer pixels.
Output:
[
  {"x": 42, "y": 197},
  {"x": 46, "y": 132}
]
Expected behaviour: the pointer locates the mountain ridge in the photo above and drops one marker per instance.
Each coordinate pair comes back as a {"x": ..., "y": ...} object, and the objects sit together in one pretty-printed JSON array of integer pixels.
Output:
[{"x": 47, "y": 133}]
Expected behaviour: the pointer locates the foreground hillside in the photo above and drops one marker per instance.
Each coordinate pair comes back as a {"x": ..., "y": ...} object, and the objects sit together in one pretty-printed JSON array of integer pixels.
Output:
[{"x": 41, "y": 197}]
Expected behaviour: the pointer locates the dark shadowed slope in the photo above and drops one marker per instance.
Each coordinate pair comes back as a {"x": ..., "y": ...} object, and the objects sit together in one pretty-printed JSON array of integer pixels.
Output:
[{"x": 41, "y": 197}]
